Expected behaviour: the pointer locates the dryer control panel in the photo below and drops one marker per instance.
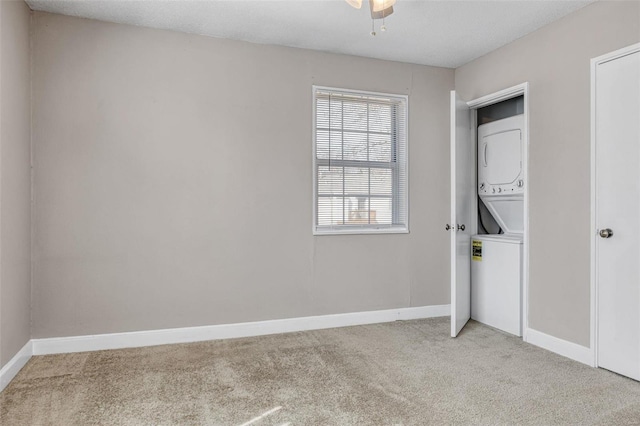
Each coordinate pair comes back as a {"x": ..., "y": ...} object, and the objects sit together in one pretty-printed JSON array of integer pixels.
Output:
[{"x": 488, "y": 189}]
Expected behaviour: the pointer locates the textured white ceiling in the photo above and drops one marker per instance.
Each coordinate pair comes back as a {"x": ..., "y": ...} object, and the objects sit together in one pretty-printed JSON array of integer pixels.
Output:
[{"x": 446, "y": 33}]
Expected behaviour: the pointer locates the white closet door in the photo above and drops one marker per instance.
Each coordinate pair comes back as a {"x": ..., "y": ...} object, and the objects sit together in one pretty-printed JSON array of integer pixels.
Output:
[
  {"x": 617, "y": 215},
  {"x": 462, "y": 188}
]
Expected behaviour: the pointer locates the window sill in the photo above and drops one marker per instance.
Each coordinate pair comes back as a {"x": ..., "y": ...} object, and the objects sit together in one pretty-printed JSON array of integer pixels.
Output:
[{"x": 398, "y": 230}]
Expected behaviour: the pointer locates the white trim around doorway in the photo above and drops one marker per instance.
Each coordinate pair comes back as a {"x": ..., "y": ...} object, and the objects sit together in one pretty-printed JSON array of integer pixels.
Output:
[{"x": 502, "y": 95}]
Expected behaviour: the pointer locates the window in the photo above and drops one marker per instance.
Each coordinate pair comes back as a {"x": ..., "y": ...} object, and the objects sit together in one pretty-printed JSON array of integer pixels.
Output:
[{"x": 360, "y": 162}]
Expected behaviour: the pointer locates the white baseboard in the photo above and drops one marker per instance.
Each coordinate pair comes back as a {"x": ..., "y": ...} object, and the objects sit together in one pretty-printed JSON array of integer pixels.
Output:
[
  {"x": 406, "y": 314},
  {"x": 9, "y": 371},
  {"x": 227, "y": 331},
  {"x": 561, "y": 347}
]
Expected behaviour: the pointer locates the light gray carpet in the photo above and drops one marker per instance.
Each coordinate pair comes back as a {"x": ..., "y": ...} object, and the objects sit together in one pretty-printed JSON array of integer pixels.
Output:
[{"x": 402, "y": 373}]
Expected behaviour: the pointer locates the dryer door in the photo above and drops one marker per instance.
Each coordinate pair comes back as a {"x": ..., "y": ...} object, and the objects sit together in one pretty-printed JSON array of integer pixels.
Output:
[{"x": 501, "y": 157}]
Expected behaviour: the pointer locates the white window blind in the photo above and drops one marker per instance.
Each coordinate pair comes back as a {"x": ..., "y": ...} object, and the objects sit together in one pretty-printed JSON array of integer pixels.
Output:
[{"x": 360, "y": 162}]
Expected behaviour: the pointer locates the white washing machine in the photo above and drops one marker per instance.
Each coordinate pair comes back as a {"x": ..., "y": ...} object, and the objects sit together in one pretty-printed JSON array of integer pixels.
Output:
[
  {"x": 496, "y": 266},
  {"x": 496, "y": 281}
]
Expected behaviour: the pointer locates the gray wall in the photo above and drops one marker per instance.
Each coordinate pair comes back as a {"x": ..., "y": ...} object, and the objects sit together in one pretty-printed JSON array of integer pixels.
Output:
[
  {"x": 173, "y": 183},
  {"x": 15, "y": 183},
  {"x": 555, "y": 60}
]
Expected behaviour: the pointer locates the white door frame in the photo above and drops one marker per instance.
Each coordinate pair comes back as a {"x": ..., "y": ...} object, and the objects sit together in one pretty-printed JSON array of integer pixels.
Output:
[
  {"x": 593, "y": 232},
  {"x": 502, "y": 95}
]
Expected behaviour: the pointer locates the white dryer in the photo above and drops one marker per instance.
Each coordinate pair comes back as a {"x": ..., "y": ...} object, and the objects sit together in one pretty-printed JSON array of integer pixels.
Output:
[{"x": 501, "y": 172}]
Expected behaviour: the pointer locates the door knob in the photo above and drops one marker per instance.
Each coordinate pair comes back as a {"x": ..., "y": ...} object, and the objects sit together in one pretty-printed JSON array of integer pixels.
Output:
[
  {"x": 606, "y": 233},
  {"x": 461, "y": 227}
]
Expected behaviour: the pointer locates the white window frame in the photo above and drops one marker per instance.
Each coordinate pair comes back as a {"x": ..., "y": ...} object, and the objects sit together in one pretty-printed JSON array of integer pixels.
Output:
[{"x": 355, "y": 230}]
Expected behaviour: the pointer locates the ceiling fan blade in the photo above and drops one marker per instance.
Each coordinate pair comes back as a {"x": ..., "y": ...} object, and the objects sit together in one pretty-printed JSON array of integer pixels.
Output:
[{"x": 355, "y": 3}]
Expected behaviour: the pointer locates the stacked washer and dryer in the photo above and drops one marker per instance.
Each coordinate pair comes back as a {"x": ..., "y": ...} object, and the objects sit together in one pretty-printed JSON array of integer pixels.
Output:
[{"x": 496, "y": 266}]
